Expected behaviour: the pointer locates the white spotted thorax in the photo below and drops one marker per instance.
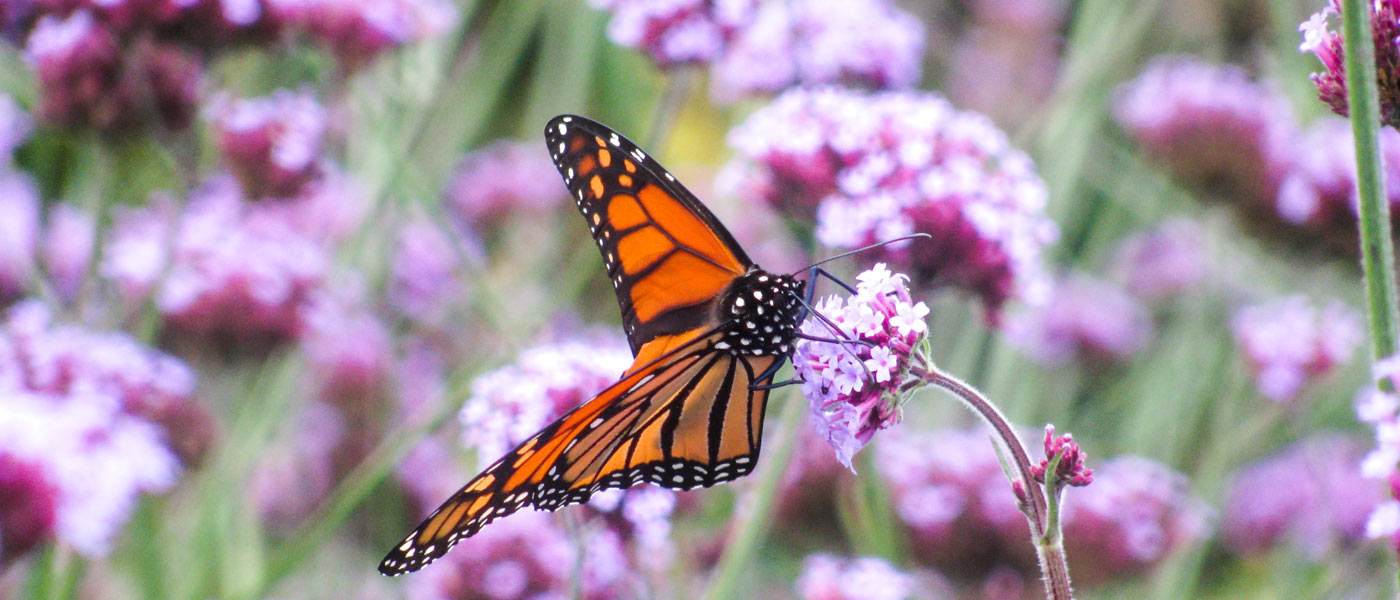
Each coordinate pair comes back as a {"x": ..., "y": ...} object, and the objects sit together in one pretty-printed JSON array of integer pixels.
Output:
[{"x": 761, "y": 311}]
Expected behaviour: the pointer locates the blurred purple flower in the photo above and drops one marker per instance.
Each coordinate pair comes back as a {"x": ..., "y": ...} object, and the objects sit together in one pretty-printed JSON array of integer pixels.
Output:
[
  {"x": 1166, "y": 260},
  {"x": 864, "y": 43},
  {"x": 348, "y": 350},
  {"x": 1005, "y": 64},
  {"x": 425, "y": 272},
  {"x": 1211, "y": 126},
  {"x": 505, "y": 177},
  {"x": 28, "y": 505},
  {"x": 15, "y": 125},
  {"x": 855, "y": 389},
  {"x": 357, "y": 31},
  {"x": 679, "y": 31},
  {"x": 19, "y": 232},
  {"x": 1319, "y": 194},
  {"x": 68, "y": 245},
  {"x": 1287, "y": 342},
  {"x": 288, "y": 483},
  {"x": 1377, "y": 406},
  {"x": 510, "y": 404},
  {"x": 871, "y": 167},
  {"x": 273, "y": 143},
  {"x": 641, "y": 517},
  {"x": 525, "y": 556},
  {"x": 1311, "y": 495},
  {"x": 827, "y": 577},
  {"x": 1085, "y": 318},
  {"x": 1072, "y": 469},
  {"x": 1327, "y": 46}
]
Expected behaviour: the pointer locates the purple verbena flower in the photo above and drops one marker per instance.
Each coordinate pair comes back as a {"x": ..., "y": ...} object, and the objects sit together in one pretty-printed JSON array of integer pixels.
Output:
[
  {"x": 855, "y": 386},
  {"x": 273, "y": 143},
  {"x": 1083, "y": 318},
  {"x": 827, "y": 577},
  {"x": 1377, "y": 406},
  {"x": 1071, "y": 469},
  {"x": 1311, "y": 495},
  {"x": 15, "y": 125},
  {"x": 68, "y": 245},
  {"x": 1211, "y": 126},
  {"x": 357, "y": 31},
  {"x": 1005, "y": 64},
  {"x": 1167, "y": 260},
  {"x": 510, "y": 404},
  {"x": 425, "y": 272},
  {"x": 503, "y": 178},
  {"x": 677, "y": 32},
  {"x": 19, "y": 232},
  {"x": 1287, "y": 342},
  {"x": 289, "y": 483},
  {"x": 348, "y": 350},
  {"x": 864, "y": 43},
  {"x": 1319, "y": 194},
  {"x": 871, "y": 167},
  {"x": 1326, "y": 44},
  {"x": 28, "y": 505},
  {"x": 641, "y": 517}
]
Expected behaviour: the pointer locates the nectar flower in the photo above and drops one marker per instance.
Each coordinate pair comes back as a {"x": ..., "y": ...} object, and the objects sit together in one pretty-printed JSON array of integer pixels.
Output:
[
  {"x": 69, "y": 239},
  {"x": 855, "y": 386},
  {"x": 19, "y": 233},
  {"x": 1377, "y": 405},
  {"x": 357, "y": 31},
  {"x": 677, "y": 32},
  {"x": 1211, "y": 126},
  {"x": 1167, "y": 260},
  {"x": 1287, "y": 342},
  {"x": 1071, "y": 469},
  {"x": 348, "y": 350},
  {"x": 510, "y": 404},
  {"x": 505, "y": 177},
  {"x": 1326, "y": 44},
  {"x": 1083, "y": 318},
  {"x": 425, "y": 272},
  {"x": 871, "y": 167},
  {"x": 272, "y": 144},
  {"x": 826, "y": 577},
  {"x": 860, "y": 43}
]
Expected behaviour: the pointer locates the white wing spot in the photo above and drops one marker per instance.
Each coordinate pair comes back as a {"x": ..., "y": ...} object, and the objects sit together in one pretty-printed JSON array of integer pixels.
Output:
[{"x": 563, "y": 129}]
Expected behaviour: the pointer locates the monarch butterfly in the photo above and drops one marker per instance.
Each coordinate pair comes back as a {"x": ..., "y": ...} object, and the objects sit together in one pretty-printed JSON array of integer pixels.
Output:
[{"x": 708, "y": 329}]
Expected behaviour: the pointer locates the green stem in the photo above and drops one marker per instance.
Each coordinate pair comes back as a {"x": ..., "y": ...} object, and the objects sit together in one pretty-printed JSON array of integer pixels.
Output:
[{"x": 1377, "y": 254}]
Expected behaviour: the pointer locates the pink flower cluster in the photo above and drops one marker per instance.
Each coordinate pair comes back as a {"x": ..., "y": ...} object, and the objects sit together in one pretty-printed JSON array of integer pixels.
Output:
[
  {"x": 89, "y": 421},
  {"x": 871, "y": 167},
  {"x": 827, "y": 577},
  {"x": 677, "y": 32},
  {"x": 1287, "y": 342},
  {"x": 1379, "y": 406},
  {"x": 272, "y": 144},
  {"x": 861, "y": 43},
  {"x": 1326, "y": 44},
  {"x": 1165, "y": 261},
  {"x": 510, "y": 404},
  {"x": 1319, "y": 194},
  {"x": 1311, "y": 495},
  {"x": 502, "y": 178},
  {"x": 855, "y": 385},
  {"x": 1085, "y": 318},
  {"x": 358, "y": 31},
  {"x": 1006, "y": 61}
]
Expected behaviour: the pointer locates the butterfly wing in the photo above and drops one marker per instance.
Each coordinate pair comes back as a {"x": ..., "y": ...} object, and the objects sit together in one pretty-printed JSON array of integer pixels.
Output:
[
  {"x": 688, "y": 419},
  {"x": 666, "y": 254}
]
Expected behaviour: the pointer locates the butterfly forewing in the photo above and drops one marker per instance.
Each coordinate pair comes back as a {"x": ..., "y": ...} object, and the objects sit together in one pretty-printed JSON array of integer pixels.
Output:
[{"x": 666, "y": 254}]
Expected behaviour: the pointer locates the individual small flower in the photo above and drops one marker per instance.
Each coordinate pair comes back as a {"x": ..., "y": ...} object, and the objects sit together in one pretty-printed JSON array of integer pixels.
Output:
[
  {"x": 1287, "y": 342},
  {"x": 510, "y": 404},
  {"x": 1311, "y": 495},
  {"x": 69, "y": 240},
  {"x": 865, "y": 43},
  {"x": 1211, "y": 126},
  {"x": 273, "y": 143},
  {"x": 827, "y": 577},
  {"x": 28, "y": 506},
  {"x": 19, "y": 233},
  {"x": 526, "y": 556},
  {"x": 855, "y": 386},
  {"x": 1167, "y": 260},
  {"x": 503, "y": 178},
  {"x": 1377, "y": 406},
  {"x": 1326, "y": 44},
  {"x": 1084, "y": 318},
  {"x": 872, "y": 167},
  {"x": 1071, "y": 469},
  {"x": 677, "y": 32},
  {"x": 357, "y": 31}
]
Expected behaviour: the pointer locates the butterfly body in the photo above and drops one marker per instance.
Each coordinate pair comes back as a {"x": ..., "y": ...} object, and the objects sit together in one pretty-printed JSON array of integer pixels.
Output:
[{"x": 708, "y": 329}]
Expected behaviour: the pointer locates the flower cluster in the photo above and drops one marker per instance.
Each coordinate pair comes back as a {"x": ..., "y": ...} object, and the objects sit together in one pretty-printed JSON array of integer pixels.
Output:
[
  {"x": 1084, "y": 318},
  {"x": 89, "y": 421},
  {"x": 1006, "y": 62},
  {"x": 1379, "y": 406},
  {"x": 827, "y": 577},
  {"x": 271, "y": 144},
  {"x": 510, "y": 404},
  {"x": 678, "y": 32},
  {"x": 425, "y": 277},
  {"x": 641, "y": 516},
  {"x": 289, "y": 482},
  {"x": 871, "y": 167},
  {"x": 1326, "y": 44},
  {"x": 503, "y": 178},
  {"x": 1287, "y": 342},
  {"x": 117, "y": 65},
  {"x": 1071, "y": 469},
  {"x": 1165, "y": 261},
  {"x": 1311, "y": 495},
  {"x": 1319, "y": 194},
  {"x": 863, "y": 43},
  {"x": 855, "y": 383}
]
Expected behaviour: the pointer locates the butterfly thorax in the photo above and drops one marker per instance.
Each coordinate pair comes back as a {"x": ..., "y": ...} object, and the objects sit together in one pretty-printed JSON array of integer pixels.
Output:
[{"x": 760, "y": 312}]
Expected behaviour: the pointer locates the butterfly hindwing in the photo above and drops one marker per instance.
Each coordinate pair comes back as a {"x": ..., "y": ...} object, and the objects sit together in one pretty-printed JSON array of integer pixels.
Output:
[
  {"x": 690, "y": 418},
  {"x": 666, "y": 254}
]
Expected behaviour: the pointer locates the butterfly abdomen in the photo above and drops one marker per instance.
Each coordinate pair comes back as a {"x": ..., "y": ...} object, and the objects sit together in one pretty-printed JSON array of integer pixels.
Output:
[{"x": 760, "y": 311}]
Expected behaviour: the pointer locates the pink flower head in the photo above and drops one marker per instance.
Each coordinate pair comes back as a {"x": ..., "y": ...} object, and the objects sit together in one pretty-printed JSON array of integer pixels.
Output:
[
  {"x": 1312, "y": 495},
  {"x": 1377, "y": 406},
  {"x": 1083, "y": 318},
  {"x": 357, "y": 31},
  {"x": 1319, "y": 195},
  {"x": 1326, "y": 44},
  {"x": 827, "y": 577},
  {"x": 425, "y": 272},
  {"x": 1211, "y": 126},
  {"x": 679, "y": 31},
  {"x": 511, "y": 403},
  {"x": 854, "y": 387},
  {"x": 503, "y": 178},
  {"x": 1072, "y": 469},
  {"x": 1288, "y": 342},
  {"x": 19, "y": 232},
  {"x": 28, "y": 505},
  {"x": 273, "y": 143},
  {"x": 871, "y": 167},
  {"x": 1007, "y": 59},
  {"x": 866, "y": 43},
  {"x": 348, "y": 350},
  {"x": 1167, "y": 260}
]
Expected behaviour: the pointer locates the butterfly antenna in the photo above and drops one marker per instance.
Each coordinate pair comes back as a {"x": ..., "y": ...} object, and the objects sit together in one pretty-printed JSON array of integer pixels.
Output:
[
  {"x": 863, "y": 249},
  {"x": 836, "y": 329}
]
